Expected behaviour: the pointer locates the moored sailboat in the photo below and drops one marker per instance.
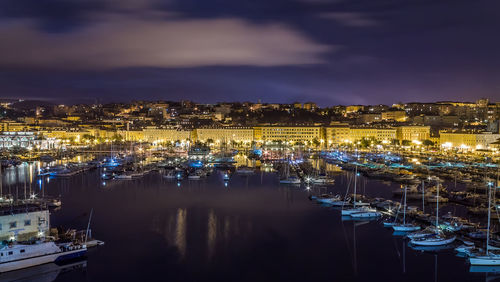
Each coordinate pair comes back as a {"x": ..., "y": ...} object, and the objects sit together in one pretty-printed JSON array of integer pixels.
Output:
[
  {"x": 405, "y": 227},
  {"x": 435, "y": 239},
  {"x": 488, "y": 258}
]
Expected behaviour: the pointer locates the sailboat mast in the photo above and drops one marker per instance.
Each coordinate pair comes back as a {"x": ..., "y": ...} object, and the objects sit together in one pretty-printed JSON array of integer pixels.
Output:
[
  {"x": 489, "y": 217},
  {"x": 404, "y": 211},
  {"x": 355, "y": 177},
  {"x": 437, "y": 205},
  {"x": 423, "y": 196},
  {"x": 88, "y": 225}
]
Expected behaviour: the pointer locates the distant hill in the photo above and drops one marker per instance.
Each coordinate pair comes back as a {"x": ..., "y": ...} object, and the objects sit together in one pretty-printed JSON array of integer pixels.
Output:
[{"x": 31, "y": 104}]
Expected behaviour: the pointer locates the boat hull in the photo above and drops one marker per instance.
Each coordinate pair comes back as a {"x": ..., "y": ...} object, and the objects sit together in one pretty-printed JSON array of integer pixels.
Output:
[
  {"x": 433, "y": 242},
  {"x": 34, "y": 261},
  {"x": 365, "y": 214},
  {"x": 486, "y": 260},
  {"x": 356, "y": 210},
  {"x": 402, "y": 228}
]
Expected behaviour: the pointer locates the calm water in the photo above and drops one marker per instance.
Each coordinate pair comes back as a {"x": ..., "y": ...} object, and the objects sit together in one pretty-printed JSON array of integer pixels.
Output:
[{"x": 251, "y": 230}]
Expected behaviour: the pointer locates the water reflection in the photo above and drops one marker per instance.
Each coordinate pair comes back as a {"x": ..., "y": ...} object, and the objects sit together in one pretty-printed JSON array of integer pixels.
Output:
[
  {"x": 45, "y": 272},
  {"x": 180, "y": 232},
  {"x": 205, "y": 232},
  {"x": 212, "y": 233}
]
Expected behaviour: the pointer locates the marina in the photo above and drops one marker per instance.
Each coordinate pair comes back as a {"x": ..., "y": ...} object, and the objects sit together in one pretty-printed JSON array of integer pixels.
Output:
[{"x": 322, "y": 221}]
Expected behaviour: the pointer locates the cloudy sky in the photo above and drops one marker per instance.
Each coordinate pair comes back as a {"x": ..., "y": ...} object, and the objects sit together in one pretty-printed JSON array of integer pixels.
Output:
[{"x": 327, "y": 51}]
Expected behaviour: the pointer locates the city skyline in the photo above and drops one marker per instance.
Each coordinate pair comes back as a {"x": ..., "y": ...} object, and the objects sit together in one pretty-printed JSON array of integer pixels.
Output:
[
  {"x": 56, "y": 101},
  {"x": 328, "y": 52}
]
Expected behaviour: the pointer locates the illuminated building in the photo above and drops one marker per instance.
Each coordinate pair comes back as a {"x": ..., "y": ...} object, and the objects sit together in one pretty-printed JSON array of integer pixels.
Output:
[
  {"x": 383, "y": 135},
  {"x": 288, "y": 133},
  {"x": 398, "y": 116},
  {"x": 337, "y": 134},
  {"x": 413, "y": 133},
  {"x": 220, "y": 134},
  {"x": 161, "y": 135},
  {"x": 467, "y": 141}
]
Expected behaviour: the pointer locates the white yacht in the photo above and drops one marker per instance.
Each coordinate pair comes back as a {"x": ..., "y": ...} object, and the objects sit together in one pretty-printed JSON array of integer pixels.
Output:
[{"x": 15, "y": 256}]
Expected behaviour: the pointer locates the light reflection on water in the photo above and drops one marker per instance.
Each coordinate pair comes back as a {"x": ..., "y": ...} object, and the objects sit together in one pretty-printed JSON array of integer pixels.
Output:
[
  {"x": 180, "y": 231},
  {"x": 254, "y": 229}
]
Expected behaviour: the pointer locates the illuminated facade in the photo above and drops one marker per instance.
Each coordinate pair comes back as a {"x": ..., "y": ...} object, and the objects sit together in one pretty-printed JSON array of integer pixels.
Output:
[
  {"x": 162, "y": 135},
  {"x": 413, "y": 133},
  {"x": 337, "y": 134},
  {"x": 23, "y": 222},
  {"x": 289, "y": 133},
  {"x": 221, "y": 134},
  {"x": 467, "y": 141},
  {"x": 399, "y": 116},
  {"x": 383, "y": 135},
  {"x": 27, "y": 140}
]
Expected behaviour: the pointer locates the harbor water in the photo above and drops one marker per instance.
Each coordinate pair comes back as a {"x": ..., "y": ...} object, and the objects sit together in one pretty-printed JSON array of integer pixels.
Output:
[{"x": 248, "y": 229}]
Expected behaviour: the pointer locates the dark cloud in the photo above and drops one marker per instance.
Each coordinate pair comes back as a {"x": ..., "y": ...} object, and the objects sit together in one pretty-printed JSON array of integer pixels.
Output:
[
  {"x": 338, "y": 51},
  {"x": 354, "y": 19},
  {"x": 154, "y": 42}
]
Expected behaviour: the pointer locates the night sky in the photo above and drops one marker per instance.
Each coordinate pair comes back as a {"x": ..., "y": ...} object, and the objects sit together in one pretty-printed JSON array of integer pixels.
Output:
[{"x": 326, "y": 51}]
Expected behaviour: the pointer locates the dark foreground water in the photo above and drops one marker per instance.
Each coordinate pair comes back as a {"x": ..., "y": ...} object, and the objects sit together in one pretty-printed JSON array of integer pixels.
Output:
[{"x": 250, "y": 230}]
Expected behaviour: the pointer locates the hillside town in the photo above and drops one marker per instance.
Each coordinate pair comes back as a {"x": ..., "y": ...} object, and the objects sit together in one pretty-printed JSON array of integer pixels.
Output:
[{"x": 33, "y": 128}]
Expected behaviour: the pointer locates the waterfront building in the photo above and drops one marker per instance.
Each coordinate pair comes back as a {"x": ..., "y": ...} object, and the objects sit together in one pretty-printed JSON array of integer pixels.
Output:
[
  {"x": 27, "y": 140},
  {"x": 23, "y": 222},
  {"x": 304, "y": 134},
  {"x": 383, "y": 135},
  {"x": 467, "y": 141},
  {"x": 162, "y": 135},
  {"x": 75, "y": 135},
  {"x": 337, "y": 133},
  {"x": 413, "y": 133},
  {"x": 131, "y": 135},
  {"x": 221, "y": 134}
]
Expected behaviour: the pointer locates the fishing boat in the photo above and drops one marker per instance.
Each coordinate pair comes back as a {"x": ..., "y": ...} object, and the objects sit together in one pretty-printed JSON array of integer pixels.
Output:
[{"x": 405, "y": 227}]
